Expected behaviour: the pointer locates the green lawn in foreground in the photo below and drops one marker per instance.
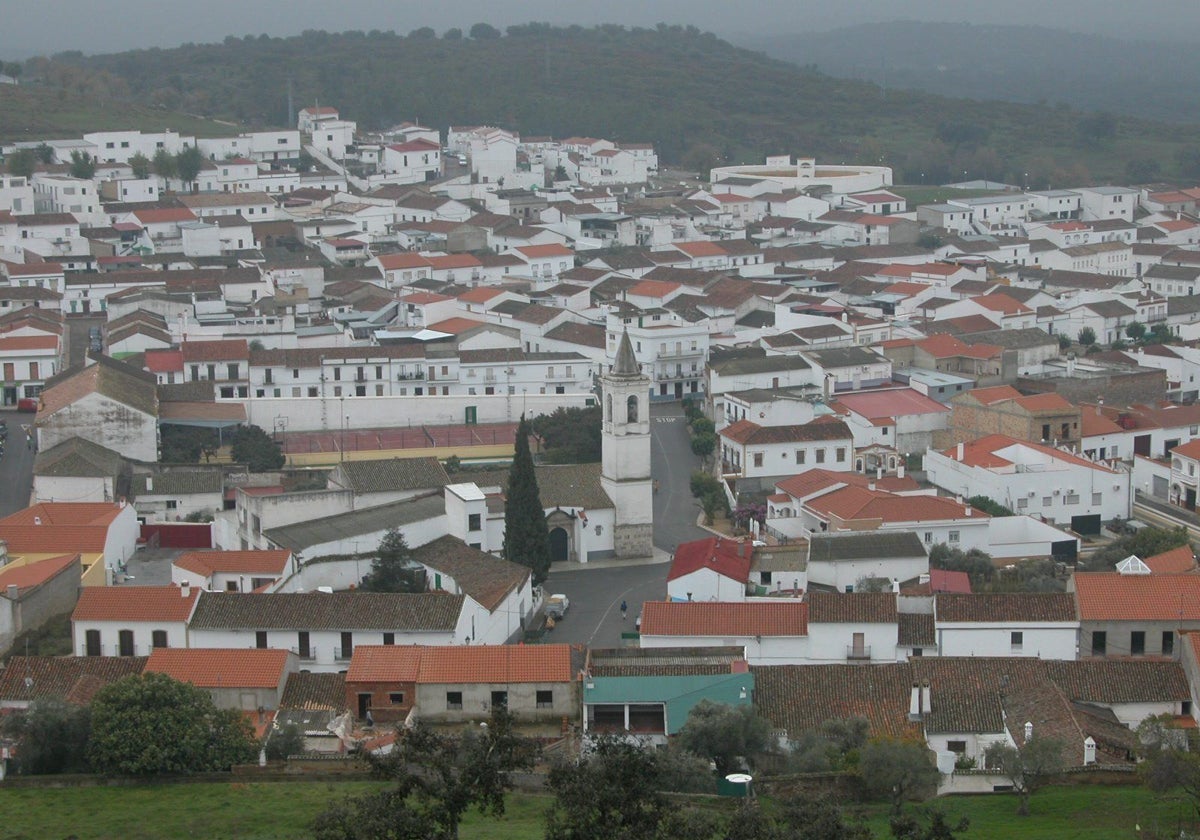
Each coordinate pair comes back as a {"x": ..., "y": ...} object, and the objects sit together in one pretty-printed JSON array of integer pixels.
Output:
[{"x": 265, "y": 811}]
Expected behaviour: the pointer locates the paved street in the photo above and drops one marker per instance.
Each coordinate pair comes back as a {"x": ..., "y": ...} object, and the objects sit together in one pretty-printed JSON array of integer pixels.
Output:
[
  {"x": 672, "y": 464},
  {"x": 596, "y": 594},
  {"x": 76, "y": 338},
  {"x": 16, "y": 466}
]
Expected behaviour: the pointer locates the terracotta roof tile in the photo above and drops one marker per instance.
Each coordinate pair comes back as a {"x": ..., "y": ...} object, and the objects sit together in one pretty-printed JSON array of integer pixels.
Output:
[
  {"x": 35, "y": 574},
  {"x": 487, "y": 579},
  {"x": 385, "y": 663},
  {"x": 1109, "y": 596},
  {"x": 27, "y": 678},
  {"x": 305, "y": 691},
  {"x": 749, "y": 433},
  {"x": 134, "y": 603},
  {"x": 208, "y": 563},
  {"x": 1175, "y": 561},
  {"x": 497, "y": 664},
  {"x": 221, "y": 667}
]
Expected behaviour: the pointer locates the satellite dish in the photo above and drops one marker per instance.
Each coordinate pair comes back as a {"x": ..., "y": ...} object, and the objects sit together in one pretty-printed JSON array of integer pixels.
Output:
[{"x": 739, "y": 778}]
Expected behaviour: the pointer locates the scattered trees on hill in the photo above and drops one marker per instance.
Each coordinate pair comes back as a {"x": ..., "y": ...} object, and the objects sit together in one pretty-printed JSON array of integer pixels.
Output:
[
  {"x": 1029, "y": 767},
  {"x": 438, "y": 777},
  {"x": 147, "y": 724},
  {"x": 898, "y": 770},
  {"x": 188, "y": 164}
]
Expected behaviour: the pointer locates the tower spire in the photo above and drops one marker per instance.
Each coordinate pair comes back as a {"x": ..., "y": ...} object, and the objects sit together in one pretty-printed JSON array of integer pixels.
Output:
[{"x": 626, "y": 362}]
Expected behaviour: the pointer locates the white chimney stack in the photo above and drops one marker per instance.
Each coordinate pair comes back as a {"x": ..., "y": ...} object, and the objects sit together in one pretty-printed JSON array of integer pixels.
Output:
[
  {"x": 926, "y": 698},
  {"x": 914, "y": 702},
  {"x": 185, "y": 589},
  {"x": 37, "y": 520},
  {"x": 967, "y": 510},
  {"x": 959, "y": 455},
  {"x": 1028, "y": 732},
  {"x": 1089, "y": 751}
]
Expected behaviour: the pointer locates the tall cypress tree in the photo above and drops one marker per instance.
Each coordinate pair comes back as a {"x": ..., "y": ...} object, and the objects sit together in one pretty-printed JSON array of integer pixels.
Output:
[{"x": 526, "y": 538}]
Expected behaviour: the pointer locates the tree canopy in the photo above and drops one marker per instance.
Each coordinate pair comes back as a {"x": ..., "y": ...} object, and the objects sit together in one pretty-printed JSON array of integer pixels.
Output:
[
  {"x": 256, "y": 449},
  {"x": 149, "y": 723},
  {"x": 393, "y": 569},
  {"x": 898, "y": 770},
  {"x": 1029, "y": 767},
  {"x": 52, "y": 737},
  {"x": 570, "y": 435},
  {"x": 725, "y": 734},
  {"x": 526, "y": 537}
]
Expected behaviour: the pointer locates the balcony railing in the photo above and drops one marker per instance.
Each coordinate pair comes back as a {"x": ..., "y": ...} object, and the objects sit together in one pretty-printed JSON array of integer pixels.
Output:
[
  {"x": 343, "y": 654},
  {"x": 305, "y": 654},
  {"x": 858, "y": 651}
]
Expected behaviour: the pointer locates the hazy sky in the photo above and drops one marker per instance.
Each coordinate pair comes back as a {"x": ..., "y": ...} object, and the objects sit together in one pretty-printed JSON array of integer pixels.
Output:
[{"x": 32, "y": 27}]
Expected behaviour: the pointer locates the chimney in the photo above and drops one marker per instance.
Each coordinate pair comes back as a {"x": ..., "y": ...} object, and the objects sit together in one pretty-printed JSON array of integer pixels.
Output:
[
  {"x": 967, "y": 510},
  {"x": 149, "y": 483},
  {"x": 959, "y": 498},
  {"x": 926, "y": 698},
  {"x": 37, "y": 520},
  {"x": 185, "y": 589},
  {"x": 13, "y": 591},
  {"x": 958, "y": 456},
  {"x": 914, "y": 702},
  {"x": 1028, "y": 732}
]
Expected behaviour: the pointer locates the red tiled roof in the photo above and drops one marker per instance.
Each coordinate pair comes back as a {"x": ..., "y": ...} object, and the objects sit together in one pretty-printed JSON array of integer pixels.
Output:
[
  {"x": 35, "y": 574},
  {"x": 207, "y": 563},
  {"x": 222, "y": 350},
  {"x": 1000, "y": 302},
  {"x": 416, "y": 146},
  {"x": 391, "y": 262},
  {"x": 860, "y": 503},
  {"x": 1109, "y": 596},
  {"x": 220, "y": 667},
  {"x": 984, "y": 452},
  {"x": 944, "y": 346},
  {"x": 764, "y": 618},
  {"x": 747, "y": 432},
  {"x": 941, "y": 580},
  {"x": 159, "y": 215},
  {"x": 701, "y": 248},
  {"x": 890, "y": 403},
  {"x": 134, "y": 603},
  {"x": 480, "y": 294},
  {"x": 59, "y": 527},
  {"x": 1191, "y": 449},
  {"x": 652, "y": 288},
  {"x": 995, "y": 394},
  {"x": 1175, "y": 561},
  {"x": 451, "y": 261},
  {"x": 725, "y": 557},
  {"x": 29, "y": 342},
  {"x": 552, "y": 250},
  {"x": 32, "y": 269},
  {"x": 163, "y": 361},
  {"x": 454, "y": 326},
  {"x": 384, "y": 663}
]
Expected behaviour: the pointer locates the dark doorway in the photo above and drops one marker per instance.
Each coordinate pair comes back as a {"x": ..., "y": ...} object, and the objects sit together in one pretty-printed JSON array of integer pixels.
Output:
[
  {"x": 1086, "y": 524},
  {"x": 1141, "y": 445},
  {"x": 92, "y": 642},
  {"x": 364, "y": 705},
  {"x": 678, "y": 390},
  {"x": 558, "y": 545},
  {"x": 1189, "y": 497}
]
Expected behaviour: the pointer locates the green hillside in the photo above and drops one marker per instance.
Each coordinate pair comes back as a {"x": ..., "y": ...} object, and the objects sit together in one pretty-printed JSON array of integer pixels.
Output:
[
  {"x": 698, "y": 98},
  {"x": 40, "y": 112}
]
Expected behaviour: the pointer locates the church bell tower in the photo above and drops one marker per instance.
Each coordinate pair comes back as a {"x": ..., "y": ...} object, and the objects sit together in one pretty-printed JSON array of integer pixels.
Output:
[{"x": 625, "y": 471}]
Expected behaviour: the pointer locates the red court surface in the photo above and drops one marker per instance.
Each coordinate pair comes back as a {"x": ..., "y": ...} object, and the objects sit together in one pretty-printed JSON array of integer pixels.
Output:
[{"x": 415, "y": 437}]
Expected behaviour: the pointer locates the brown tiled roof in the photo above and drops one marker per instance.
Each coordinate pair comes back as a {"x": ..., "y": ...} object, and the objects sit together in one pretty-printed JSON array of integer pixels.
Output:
[
  {"x": 1021, "y": 608},
  {"x": 314, "y": 691},
  {"x": 395, "y": 612},
  {"x": 220, "y": 667},
  {"x": 114, "y": 380},
  {"x": 486, "y": 578},
  {"x": 664, "y": 662},
  {"x": 1112, "y": 681},
  {"x": 749, "y": 433},
  {"x": 587, "y": 335},
  {"x": 852, "y": 608},
  {"x": 224, "y": 350},
  {"x": 702, "y": 618},
  {"x": 391, "y": 474},
  {"x": 863, "y": 546},
  {"x": 916, "y": 630},
  {"x": 27, "y": 678},
  {"x": 800, "y": 698}
]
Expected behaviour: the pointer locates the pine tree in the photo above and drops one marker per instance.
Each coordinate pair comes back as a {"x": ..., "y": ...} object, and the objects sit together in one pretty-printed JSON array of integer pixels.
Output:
[
  {"x": 526, "y": 538},
  {"x": 392, "y": 570}
]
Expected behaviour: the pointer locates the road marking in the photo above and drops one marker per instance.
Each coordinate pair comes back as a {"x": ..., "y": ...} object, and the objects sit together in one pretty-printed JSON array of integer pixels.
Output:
[{"x": 666, "y": 419}]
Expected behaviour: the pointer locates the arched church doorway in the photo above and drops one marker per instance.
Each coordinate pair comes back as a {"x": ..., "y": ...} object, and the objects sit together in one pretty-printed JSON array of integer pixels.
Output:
[{"x": 559, "y": 545}]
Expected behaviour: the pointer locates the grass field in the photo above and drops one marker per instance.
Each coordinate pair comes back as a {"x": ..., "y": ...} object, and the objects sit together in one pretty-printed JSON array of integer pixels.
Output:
[{"x": 266, "y": 811}]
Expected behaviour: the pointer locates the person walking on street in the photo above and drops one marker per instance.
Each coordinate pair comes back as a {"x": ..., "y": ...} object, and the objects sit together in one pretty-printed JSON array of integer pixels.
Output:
[{"x": 624, "y": 609}]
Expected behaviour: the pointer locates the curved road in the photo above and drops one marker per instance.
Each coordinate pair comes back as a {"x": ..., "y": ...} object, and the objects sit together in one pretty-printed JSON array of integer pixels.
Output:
[{"x": 672, "y": 464}]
